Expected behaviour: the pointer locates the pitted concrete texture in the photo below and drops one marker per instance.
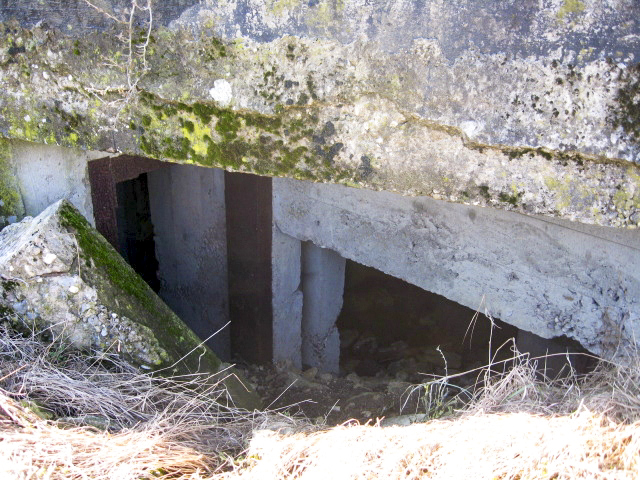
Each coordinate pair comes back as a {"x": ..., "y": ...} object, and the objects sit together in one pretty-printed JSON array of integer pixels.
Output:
[
  {"x": 548, "y": 278},
  {"x": 522, "y": 106},
  {"x": 188, "y": 215},
  {"x": 503, "y": 72}
]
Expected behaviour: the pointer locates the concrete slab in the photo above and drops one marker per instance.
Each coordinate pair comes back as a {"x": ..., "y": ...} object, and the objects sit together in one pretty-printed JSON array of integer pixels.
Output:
[{"x": 551, "y": 279}]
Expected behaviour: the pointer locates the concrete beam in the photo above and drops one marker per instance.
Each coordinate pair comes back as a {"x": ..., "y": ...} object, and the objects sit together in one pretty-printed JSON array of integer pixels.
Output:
[{"x": 549, "y": 278}]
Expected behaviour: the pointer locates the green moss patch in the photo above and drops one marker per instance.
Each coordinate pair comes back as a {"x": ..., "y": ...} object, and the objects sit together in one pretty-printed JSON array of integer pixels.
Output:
[
  {"x": 132, "y": 296},
  {"x": 96, "y": 248},
  {"x": 282, "y": 144},
  {"x": 627, "y": 112},
  {"x": 10, "y": 199}
]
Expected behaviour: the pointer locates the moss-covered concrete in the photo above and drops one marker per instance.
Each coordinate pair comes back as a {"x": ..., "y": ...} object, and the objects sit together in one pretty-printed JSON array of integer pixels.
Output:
[
  {"x": 11, "y": 206},
  {"x": 477, "y": 128},
  {"x": 121, "y": 290}
]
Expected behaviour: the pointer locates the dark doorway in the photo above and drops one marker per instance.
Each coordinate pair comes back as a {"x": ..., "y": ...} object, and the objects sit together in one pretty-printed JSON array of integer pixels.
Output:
[
  {"x": 120, "y": 197},
  {"x": 391, "y": 327},
  {"x": 135, "y": 229}
]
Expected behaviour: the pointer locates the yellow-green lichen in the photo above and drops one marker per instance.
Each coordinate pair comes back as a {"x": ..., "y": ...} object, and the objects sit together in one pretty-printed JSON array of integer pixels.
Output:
[
  {"x": 324, "y": 13},
  {"x": 209, "y": 135},
  {"x": 628, "y": 196},
  {"x": 570, "y": 7},
  {"x": 561, "y": 189},
  {"x": 26, "y": 129},
  {"x": 278, "y": 7}
]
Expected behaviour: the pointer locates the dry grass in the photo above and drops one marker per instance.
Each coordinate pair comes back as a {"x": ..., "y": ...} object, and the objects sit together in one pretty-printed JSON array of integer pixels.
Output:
[
  {"x": 69, "y": 415},
  {"x": 516, "y": 385},
  {"x": 513, "y": 425},
  {"x": 487, "y": 446}
]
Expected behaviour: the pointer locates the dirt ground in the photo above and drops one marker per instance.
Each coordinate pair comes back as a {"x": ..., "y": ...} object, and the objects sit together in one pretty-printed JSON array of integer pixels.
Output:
[{"x": 333, "y": 400}]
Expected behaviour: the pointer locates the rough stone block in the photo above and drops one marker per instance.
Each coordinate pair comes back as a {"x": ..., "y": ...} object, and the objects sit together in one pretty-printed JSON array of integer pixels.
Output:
[{"x": 58, "y": 273}]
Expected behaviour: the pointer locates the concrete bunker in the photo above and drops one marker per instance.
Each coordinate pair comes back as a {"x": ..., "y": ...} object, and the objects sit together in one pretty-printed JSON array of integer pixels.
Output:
[
  {"x": 538, "y": 127},
  {"x": 220, "y": 246}
]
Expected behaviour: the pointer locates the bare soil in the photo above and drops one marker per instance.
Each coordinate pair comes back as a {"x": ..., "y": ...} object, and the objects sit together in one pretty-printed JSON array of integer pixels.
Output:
[{"x": 332, "y": 400}]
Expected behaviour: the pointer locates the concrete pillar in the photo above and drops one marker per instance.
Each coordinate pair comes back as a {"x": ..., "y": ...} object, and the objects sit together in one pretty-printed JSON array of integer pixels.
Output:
[
  {"x": 286, "y": 298},
  {"x": 323, "y": 286},
  {"x": 188, "y": 214}
]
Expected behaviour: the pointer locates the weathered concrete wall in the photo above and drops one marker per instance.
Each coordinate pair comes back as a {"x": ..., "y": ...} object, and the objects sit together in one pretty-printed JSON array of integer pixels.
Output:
[
  {"x": 322, "y": 287},
  {"x": 39, "y": 175},
  {"x": 188, "y": 214},
  {"x": 48, "y": 173},
  {"x": 551, "y": 279},
  {"x": 522, "y": 106}
]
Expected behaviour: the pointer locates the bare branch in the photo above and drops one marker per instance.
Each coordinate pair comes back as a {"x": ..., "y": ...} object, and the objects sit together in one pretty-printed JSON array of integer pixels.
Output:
[{"x": 104, "y": 12}]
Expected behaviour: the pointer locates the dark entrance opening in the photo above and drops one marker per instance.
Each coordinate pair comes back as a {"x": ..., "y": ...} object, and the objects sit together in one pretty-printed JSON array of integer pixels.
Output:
[
  {"x": 167, "y": 222},
  {"x": 389, "y": 327},
  {"x": 135, "y": 229},
  {"x": 120, "y": 197}
]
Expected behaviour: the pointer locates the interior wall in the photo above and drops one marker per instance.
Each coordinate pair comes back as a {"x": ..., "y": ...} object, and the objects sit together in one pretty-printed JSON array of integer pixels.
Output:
[
  {"x": 188, "y": 214},
  {"x": 392, "y": 310}
]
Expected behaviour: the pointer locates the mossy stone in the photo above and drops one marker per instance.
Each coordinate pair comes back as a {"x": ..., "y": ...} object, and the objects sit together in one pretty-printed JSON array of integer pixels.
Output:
[{"x": 122, "y": 290}]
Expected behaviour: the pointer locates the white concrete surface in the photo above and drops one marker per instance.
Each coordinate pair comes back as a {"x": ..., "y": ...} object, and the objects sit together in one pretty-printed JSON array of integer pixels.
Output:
[{"x": 48, "y": 173}]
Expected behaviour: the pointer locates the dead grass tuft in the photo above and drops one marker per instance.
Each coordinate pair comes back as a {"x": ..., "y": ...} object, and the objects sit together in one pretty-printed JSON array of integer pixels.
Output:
[{"x": 66, "y": 414}]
